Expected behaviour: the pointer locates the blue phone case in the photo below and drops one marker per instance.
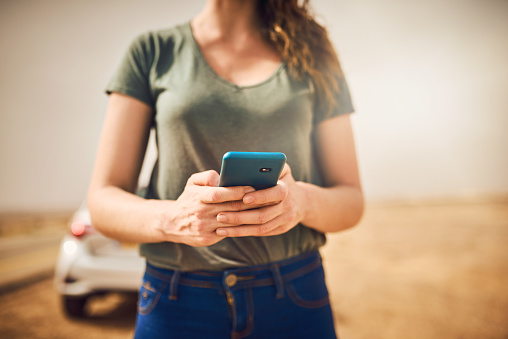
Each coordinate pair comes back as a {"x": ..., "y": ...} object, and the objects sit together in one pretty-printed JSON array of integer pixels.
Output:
[{"x": 257, "y": 169}]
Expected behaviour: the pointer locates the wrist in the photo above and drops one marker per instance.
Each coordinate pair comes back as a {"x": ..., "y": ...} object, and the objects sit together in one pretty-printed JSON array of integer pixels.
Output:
[
  {"x": 160, "y": 222},
  {"x": 305, "y": 201}
]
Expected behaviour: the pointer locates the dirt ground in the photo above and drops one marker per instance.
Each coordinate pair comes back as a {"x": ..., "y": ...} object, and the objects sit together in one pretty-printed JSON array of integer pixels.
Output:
[
  {"x": 407, "y": 271},
  {"x": 422, "y": 271}
]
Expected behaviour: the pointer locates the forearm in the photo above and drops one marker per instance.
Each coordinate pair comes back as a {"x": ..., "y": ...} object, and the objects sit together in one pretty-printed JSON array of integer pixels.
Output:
[
  {"x": 331, "y": 209},
  {"x": 124, "y": 216}
]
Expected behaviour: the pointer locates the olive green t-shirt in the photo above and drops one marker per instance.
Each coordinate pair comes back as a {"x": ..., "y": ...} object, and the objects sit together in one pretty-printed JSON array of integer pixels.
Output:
[{"x": 199, "y": 116}]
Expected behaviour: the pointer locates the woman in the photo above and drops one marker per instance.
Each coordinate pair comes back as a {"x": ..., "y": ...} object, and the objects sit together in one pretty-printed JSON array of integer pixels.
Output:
[{"x": 230, "y": 262}]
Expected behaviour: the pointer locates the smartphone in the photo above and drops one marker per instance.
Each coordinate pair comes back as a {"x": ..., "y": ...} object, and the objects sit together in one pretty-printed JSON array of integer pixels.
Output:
[{"x": 257, "y": 169}]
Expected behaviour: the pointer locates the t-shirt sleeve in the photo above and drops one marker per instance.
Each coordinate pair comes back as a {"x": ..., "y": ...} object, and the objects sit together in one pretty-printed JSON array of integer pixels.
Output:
[
  {"x": 132, "y": 77},
  {"x": 344, "y": 103}
]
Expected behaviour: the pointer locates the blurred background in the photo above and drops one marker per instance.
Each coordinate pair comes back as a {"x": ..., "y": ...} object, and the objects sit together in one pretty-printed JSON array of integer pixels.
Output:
[{"x": 429, "y": 82}]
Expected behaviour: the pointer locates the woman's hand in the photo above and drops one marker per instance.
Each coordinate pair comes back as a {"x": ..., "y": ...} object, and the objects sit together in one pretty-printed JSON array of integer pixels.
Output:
[
  {"x": 192, "y": 219},
  {"x": 272, "y": 211}
]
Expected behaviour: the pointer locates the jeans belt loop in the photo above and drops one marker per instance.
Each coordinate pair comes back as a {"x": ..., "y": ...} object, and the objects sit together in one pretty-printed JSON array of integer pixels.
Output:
[
  {"x": 173, "y": 287},
  {"x": 277, "y": 277}
]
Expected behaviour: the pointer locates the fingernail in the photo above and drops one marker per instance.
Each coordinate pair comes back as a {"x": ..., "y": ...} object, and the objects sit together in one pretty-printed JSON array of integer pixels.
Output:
[
  {"x": 222, "y": 218},
  {"x": 222, "y": 233},
  {"x": 249, "y": 199}
]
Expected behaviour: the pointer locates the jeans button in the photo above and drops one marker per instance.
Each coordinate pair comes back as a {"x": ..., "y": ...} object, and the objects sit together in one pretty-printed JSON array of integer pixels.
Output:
[{"x": 231, "y": 280}]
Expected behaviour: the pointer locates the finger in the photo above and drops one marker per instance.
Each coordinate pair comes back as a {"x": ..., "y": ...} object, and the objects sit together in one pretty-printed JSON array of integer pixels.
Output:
[
  {"x": 285, "y": 170},
  {"x": 235, "y": 206},
  {"x": 229, "y": 206},
  {"x": 270, "y": 195},
  {"x": 253, "y": 216},
  {"x": 249, "y": 230},
  {"x": 216, "y": 195},
  {"x": 206, "y": 178}
]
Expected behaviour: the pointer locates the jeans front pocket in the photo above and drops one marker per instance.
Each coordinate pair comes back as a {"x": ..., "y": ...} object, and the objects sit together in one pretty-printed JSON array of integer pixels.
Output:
[
  {"x": 149, "y": 294},
  {"x": 309, "y": 290}
]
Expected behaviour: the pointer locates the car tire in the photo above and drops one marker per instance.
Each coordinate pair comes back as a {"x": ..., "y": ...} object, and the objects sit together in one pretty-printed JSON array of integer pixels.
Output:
[{"x": 74, "y": 307}]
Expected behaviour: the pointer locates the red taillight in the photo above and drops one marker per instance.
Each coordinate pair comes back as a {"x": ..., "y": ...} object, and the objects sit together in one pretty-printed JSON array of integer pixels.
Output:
[{"x": 80, "y": 229}]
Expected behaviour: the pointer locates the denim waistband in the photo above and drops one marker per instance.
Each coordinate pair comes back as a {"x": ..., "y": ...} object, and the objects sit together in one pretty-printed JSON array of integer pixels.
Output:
[{"x": 275, "y": 273}]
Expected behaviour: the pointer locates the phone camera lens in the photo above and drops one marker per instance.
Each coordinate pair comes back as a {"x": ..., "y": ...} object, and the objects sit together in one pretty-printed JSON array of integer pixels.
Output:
[{"x": 265, "y": 170}]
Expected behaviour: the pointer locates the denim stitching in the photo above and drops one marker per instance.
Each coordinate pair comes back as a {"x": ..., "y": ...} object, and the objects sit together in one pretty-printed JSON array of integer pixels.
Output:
[
  {"x": 183, "y": 281},
  {"x": 285, "y": 277},
  {"x": 306, "y": 303},
  {"x": 280, "y": 263},
  {"x": 278, "y": 281},
  {"x": 149, "y": 308},
  {"x": 249, "y": 327},
  {"x": 173, "y": 287},
  {"x": 246, "y": 283},
  {"x": 303, "y": 270}
]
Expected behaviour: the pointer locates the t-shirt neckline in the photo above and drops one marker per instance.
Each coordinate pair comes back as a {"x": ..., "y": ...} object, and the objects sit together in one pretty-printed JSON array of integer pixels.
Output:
[{"x": 202, "y": 59}]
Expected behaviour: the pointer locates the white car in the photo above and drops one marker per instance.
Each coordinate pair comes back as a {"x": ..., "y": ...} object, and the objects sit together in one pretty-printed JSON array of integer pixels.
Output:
[{"x": 89, "y": 264}]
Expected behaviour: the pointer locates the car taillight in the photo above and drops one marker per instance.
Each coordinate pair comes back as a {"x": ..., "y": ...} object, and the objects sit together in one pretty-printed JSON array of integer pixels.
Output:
[{"x": 80, "y": 229}]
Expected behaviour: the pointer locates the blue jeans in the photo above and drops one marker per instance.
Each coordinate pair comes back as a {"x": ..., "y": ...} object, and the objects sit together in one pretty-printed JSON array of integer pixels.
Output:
[{"x": 286, "y": 299}]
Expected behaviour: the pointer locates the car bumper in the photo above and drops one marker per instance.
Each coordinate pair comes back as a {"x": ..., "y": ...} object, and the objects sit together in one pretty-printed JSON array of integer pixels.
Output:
[{"x": 80, "y": 273}]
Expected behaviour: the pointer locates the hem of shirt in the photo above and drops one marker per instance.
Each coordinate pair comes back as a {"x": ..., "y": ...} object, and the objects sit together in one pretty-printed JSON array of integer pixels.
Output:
[{"x": 129, "y": 92}]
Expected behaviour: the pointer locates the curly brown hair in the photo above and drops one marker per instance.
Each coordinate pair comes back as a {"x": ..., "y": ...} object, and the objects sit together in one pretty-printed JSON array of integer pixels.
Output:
[{"x": 304, "y": 46}]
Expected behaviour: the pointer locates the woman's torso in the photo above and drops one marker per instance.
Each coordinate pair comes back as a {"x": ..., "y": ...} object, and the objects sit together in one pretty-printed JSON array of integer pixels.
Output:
[{"x": 199, "y": 116}]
